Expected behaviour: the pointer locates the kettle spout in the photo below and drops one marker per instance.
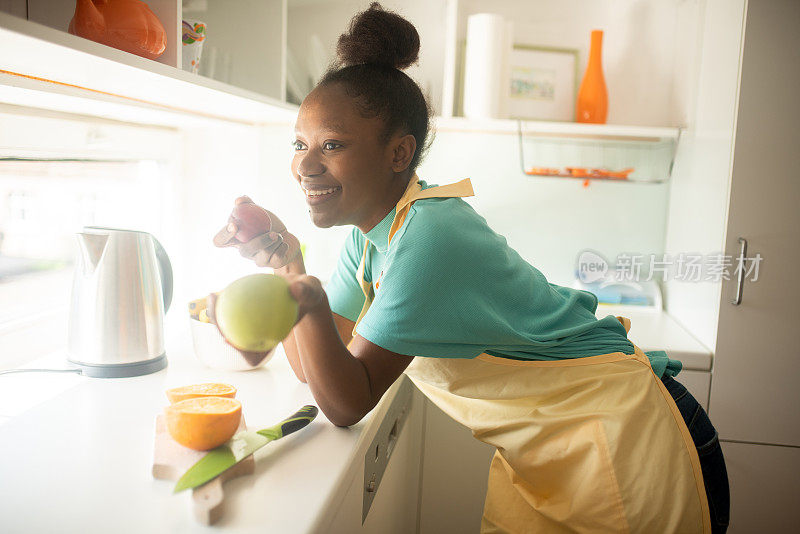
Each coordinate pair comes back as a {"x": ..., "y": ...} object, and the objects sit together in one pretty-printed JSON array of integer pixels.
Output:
[
  {"x": 88, "y": 21},
  {"x": 92, "y": 247}
]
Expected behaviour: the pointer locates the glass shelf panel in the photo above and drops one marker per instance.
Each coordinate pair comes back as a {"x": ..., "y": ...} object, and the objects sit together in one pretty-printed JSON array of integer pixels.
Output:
[{"x": 632, "y": 158}]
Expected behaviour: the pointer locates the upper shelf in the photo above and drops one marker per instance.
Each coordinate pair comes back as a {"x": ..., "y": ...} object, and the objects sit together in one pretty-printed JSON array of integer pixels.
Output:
[
  {"x": 569, "y": 130},
  {"x": 52, "y": 62},
  {"x": 641, "y": 154}
]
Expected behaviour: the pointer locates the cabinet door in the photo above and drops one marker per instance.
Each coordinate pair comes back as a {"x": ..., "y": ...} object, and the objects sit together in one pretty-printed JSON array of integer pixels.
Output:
[
  {"x": 765, "y": 488},
  {"x": 395, "y": 508},
  {"x": 698, "y": 384},
  {"x": 754, "y": 393},
  {"x": 455, "y": 475}
]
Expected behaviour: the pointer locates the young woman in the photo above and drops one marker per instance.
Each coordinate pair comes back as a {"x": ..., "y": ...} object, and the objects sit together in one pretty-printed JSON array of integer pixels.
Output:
[{"x": 588, "y": 436}]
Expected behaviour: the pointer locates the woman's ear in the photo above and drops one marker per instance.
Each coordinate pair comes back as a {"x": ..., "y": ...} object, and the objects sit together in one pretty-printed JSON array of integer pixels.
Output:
[{"x": 403, "y": 149}]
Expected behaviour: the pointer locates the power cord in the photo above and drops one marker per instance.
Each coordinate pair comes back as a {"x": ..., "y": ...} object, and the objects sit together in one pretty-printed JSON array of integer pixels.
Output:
[{"x": 8, "y": 371}]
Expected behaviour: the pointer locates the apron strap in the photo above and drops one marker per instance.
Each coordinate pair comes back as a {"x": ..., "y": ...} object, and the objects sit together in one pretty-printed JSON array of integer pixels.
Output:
[
  {"x": 412, "y": 193},
  {"x": 625, "y": 322},
  {"x": 365, "y": 287},
  {"x": 415, "y": 192}
]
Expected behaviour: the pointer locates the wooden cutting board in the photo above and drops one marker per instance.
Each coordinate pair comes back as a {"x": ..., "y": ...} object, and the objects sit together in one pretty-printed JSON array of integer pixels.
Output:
[{"x": 171, "y": 460}]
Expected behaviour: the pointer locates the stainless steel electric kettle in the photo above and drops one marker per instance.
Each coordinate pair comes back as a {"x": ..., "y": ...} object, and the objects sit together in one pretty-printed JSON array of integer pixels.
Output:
[{"x": 121, "y": 290}]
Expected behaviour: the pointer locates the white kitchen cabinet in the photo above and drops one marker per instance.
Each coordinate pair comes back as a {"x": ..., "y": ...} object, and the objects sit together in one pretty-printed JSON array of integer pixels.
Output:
[
  {"x": 57, "y": 14},
  {"x": 455, "y": 470},
  {"x": 244, "y": 47},
  {"x": 394, "y": 507},
  {"x": 698, "y": 383},
  {"x": 754, "y": 393},
  {"x": 764, "y": 487},
  {"x": 735, "y": 177},
  {"x": 43, "y": 67}
]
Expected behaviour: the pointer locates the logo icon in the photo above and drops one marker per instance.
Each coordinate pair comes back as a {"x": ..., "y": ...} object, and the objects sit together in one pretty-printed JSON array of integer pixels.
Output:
[{"x": 591, "y": 267}]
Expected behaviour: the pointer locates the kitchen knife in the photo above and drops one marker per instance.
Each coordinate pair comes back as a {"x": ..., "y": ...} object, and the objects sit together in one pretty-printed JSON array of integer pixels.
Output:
[{"x": 240, "y": 447}]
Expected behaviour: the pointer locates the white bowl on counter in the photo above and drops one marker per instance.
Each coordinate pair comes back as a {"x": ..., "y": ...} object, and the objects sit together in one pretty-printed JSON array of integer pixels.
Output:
[{"x": 214, "y": 352}]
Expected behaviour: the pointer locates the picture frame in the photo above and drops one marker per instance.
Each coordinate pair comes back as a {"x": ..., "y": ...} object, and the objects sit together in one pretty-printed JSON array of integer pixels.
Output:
[{"x": 543, "y": 83}]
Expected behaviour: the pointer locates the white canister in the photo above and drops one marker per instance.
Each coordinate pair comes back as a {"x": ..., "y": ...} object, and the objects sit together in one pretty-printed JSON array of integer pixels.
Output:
[{"x": 486, "y": 71}]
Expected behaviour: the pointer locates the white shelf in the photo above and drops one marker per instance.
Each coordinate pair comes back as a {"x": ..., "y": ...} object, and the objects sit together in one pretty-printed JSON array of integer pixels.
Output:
[
  {"x": 572, "y": 130},
  {"x": 41, "y": 64},
  {"x": 648, "y": 150}
]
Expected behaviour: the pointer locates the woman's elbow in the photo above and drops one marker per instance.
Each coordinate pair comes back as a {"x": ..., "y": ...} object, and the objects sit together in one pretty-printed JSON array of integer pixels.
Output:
[{"x": 344, "y": 420}]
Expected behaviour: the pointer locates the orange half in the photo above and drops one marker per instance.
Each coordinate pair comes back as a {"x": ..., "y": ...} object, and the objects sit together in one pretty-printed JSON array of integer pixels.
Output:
[
  {"x": 194, "y": 391},
  {"x": 204, "y": 422}
]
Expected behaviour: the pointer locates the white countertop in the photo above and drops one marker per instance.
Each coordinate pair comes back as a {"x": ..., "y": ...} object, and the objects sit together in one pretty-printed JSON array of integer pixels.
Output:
[
  {"x": 657, "y": 330},
  {"x": 76, "y": 452}
]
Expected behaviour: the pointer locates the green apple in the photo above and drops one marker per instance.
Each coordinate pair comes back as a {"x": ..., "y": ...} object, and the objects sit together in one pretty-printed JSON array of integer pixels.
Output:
[{"x": 256, "y": 312}]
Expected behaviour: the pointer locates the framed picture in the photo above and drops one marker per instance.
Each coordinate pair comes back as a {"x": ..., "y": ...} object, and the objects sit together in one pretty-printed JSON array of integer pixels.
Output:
[{"x": 543, "y": 83}]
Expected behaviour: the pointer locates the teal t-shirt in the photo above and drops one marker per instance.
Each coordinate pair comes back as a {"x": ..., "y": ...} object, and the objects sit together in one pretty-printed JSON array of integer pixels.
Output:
[{"x": 452, "y": 288}]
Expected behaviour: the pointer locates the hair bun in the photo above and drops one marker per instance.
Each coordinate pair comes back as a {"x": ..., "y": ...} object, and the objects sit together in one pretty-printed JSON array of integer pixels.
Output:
[{"x": 379, "y": 37}]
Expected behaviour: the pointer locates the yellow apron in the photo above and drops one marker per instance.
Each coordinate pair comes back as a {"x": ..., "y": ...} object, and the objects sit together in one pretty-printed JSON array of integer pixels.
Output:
[{"x": 592, "y": 444}]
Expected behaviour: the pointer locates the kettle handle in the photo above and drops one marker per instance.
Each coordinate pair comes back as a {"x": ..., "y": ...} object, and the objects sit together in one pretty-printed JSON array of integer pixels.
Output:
[{"x": 165, "y": 268}]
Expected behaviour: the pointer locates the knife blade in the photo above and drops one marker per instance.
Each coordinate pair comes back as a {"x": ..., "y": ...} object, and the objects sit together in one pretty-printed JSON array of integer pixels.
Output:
[{"x": 240, "y": 446}]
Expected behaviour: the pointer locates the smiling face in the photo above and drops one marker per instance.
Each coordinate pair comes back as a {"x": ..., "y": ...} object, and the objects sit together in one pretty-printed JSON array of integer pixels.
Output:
[{"x": 347, "y": 172}]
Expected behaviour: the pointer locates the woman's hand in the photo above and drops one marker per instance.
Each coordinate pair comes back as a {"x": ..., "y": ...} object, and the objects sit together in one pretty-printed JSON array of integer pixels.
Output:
[
  {"x": 276, "y": 248},
  {"x": 307, "y": 291},
  {"x": 252, "y": 358}
]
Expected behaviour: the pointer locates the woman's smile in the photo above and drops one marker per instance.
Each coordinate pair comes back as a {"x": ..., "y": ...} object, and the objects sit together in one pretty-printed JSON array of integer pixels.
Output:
[{"x": 316, "y": 195}]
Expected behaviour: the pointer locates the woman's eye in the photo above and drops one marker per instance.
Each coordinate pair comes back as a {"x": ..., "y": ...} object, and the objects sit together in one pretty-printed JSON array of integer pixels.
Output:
[
  {"x": 331, "y": 146},
  {"x": 297, "y": 145}
]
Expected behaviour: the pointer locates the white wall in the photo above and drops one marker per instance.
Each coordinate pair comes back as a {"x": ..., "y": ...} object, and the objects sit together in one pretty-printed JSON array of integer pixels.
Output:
[
  {"x": 645, "y": 64},
  {"x": 547, "y": 220},
  {"x": 329, "y": 19},
  {"x": 649, "y": 57}
]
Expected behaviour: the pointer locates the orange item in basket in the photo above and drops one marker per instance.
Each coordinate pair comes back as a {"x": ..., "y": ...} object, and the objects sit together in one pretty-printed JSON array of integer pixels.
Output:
[
  {"x": 203, "y": 423},
  {"x": 200, "y": 390}
]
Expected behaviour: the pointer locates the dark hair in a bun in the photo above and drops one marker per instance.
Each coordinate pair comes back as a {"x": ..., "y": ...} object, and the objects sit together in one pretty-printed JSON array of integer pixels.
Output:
[
  {"x": 370, "y": 55},
  {"x": 379, "y": 37}
]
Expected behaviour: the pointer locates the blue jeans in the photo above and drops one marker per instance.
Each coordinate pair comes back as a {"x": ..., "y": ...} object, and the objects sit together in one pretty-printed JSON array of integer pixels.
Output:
[{"x": 705, "y": 438}]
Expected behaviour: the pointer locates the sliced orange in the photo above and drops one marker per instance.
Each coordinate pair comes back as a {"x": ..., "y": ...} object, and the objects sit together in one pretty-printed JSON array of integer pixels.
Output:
[
  {"x": 203, "y": 423},
  {"x": 194, "y": 391}
]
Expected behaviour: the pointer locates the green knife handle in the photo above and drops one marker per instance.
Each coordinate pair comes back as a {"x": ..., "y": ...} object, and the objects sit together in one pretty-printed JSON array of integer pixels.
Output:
[{"x": 300, "y": 419}]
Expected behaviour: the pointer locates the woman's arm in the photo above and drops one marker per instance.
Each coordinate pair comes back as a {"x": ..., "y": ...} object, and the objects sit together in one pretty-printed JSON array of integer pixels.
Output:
[
  {"x": 344, "y": 326},
  {"x": 346, "y": 384},
  {"x": 290, "y": 343}
]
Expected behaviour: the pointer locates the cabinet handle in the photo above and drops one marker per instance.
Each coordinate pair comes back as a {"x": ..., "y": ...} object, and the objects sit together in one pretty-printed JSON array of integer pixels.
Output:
[{"x": 740, "y": 283}]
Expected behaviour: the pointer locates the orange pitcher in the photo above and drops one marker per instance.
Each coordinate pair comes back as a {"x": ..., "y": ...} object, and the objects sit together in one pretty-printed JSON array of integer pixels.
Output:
[
  {"x": 592, "y": 97},
  {"x": 127, "y": 25}
]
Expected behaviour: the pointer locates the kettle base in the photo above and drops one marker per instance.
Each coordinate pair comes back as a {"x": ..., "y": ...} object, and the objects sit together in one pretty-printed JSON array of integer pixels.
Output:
[{"x": 122, "y": 370}]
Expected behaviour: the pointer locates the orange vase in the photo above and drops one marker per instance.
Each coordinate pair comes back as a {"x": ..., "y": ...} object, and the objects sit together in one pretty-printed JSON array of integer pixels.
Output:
[
  {"x": 128, "y": 25},
  {"x": 592, "y": 97}
]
